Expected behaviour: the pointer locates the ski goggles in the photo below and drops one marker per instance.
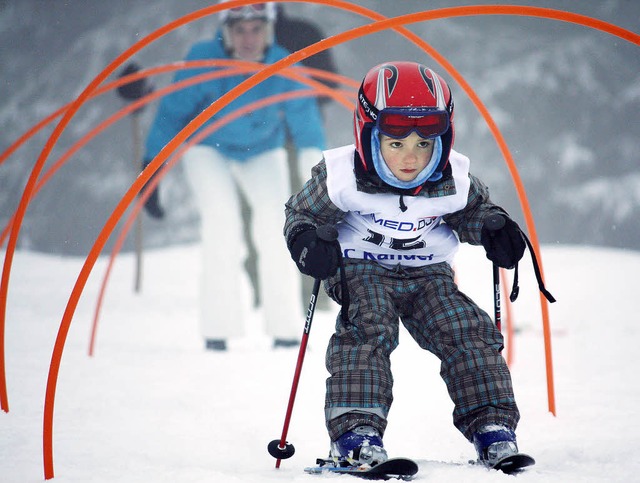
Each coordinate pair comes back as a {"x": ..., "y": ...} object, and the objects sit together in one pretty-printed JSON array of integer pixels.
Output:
[
  {"x": 247, "y": 10},
  {"x": 398, "y": 123}
]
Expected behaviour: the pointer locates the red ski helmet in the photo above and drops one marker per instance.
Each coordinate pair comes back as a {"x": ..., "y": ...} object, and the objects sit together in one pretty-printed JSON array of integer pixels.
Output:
[{"x": 414, "y": 97}]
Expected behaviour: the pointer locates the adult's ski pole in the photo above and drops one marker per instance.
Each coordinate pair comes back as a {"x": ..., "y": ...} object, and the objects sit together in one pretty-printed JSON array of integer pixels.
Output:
[
  {"x": 281, "y": 448},
  {"x": 129, "y": 92}
]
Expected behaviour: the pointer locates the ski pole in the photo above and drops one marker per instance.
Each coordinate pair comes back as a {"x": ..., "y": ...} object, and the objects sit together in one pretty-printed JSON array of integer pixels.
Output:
[
  {"x": 493, "y": 223},
  {"x": 281, "y": 448},
  {"x": 135, "y": 119},
  {"x": 133, "y": 91}
]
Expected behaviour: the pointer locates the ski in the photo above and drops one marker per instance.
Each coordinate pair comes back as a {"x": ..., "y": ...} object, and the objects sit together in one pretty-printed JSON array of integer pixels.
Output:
[
  {"x": 398, "y": 468},
  {"x": 406, "y": 469}
]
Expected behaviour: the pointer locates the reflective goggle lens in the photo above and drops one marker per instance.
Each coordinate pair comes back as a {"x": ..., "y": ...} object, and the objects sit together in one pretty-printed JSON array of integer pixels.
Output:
[{"x": 400, "y": 123}]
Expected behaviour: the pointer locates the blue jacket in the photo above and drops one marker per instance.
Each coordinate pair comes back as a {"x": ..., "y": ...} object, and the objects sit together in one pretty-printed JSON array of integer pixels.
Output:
[{"x": 249, "y": 135}]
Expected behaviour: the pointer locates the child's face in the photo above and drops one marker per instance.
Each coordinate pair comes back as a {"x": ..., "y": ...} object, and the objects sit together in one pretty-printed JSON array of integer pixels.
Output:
[{"x": 406, "y": 157}]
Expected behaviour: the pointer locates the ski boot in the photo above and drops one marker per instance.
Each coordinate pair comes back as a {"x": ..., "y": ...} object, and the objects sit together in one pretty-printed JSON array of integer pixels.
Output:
[
  {"x": 219, "y": 345},
  {"x": 359, "y": 447},
  {"x": 493, "y": 443},
  {"x": 497, "y": 449},
  {"x": 282, "y": 343}
]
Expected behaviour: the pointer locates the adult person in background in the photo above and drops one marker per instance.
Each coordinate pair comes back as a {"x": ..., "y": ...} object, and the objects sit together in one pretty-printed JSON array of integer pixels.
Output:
[
  {"x": 247, "y": 154},
  {"x": 295, "y": 33}
]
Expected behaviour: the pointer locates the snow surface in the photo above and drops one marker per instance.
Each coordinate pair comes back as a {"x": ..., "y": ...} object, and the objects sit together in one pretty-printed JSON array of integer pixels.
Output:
[{"x": 153, "y": 405}]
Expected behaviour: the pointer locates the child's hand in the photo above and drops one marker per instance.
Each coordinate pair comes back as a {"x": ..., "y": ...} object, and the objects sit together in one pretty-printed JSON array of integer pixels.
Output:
[
  {"x": 504, "y": 246},
  {"x": 314, "y": 255}
]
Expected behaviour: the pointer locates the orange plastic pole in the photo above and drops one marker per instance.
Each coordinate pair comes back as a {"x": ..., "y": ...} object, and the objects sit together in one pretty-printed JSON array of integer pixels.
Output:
[
  {"x": 355, "y": 33},
  {"x": 355, "y": 9},
  {"x": 195, "y": 124},
  {"x": 370, "y": 14}
]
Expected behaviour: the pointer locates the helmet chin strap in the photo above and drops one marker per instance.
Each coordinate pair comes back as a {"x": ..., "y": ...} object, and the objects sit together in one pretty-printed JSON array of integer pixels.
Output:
[{"x": 427, "y": 174}]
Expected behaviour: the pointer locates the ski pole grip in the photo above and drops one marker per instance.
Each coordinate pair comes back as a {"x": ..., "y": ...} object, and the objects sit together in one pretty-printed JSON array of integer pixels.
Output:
[
  {"x": 494, "y": 222},
  {"x": 327, "y": 233}
]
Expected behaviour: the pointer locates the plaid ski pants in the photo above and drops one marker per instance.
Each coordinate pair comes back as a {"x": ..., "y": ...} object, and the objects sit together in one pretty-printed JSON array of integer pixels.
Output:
[{"x": 441, "y": 319}]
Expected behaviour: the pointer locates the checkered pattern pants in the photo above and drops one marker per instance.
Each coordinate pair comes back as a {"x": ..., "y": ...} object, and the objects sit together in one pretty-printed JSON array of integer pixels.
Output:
[{"x": 441, "y": 319}]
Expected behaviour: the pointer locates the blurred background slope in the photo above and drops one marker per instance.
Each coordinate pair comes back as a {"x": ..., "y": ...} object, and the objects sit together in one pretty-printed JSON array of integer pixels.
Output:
[{"x": 565, "y": 97}]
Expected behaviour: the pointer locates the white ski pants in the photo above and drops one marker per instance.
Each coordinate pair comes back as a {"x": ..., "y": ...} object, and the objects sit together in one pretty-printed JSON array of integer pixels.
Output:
[{"x": 264, "y": 180}]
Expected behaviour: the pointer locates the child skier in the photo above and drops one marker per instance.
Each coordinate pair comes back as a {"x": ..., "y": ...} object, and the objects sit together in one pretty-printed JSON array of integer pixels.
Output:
[{"x": 402, "y": 199}]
